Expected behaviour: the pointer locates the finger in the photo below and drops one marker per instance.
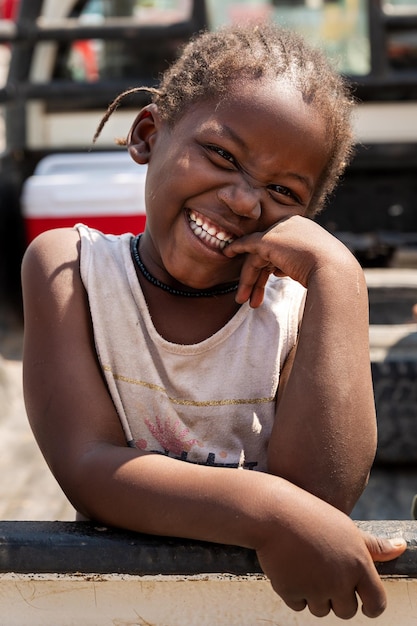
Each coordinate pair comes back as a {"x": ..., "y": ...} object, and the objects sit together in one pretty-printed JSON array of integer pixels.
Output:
[
  {"x": 243, "y": 293},
  {"x": 371, "y": 590},
  {"x": 278, "y": 273},
  {"x": 258, "y": 291},
  {"x": 256, "y": 297},
  {"x": 239, "y": 246},
  {"x": 296, "y": 605},
  {"x": 372, "y": 594},
  {"x": 345, "y": 607},
  {"x": 373, "y": 604},
  {"x": 253, "y": 278},
  {"x": 320, "y": 609},
  {"x": 384, "y": 549}
]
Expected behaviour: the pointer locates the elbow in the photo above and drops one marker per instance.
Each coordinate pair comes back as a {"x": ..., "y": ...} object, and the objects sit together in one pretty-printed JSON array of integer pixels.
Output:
[
  {"x": 340, "y": 486},
  {"x": 85, "y": 482},
  {"x": 346, "y": 499}
]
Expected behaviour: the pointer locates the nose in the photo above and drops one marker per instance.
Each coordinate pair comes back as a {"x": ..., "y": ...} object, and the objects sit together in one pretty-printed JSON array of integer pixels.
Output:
[{"x": 242, "y": 199}]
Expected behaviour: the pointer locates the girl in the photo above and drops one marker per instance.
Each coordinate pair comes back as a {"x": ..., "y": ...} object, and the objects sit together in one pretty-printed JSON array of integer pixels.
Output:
[{"x": 210, "y": 378}]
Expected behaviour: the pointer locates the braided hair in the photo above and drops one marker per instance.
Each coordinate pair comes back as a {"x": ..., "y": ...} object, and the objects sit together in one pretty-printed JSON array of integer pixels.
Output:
[{"x": 212, "y": 61}]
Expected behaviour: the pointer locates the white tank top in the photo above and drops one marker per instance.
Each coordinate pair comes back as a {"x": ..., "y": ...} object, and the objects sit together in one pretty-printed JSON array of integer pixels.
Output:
[{"x": 210, "y": 403}]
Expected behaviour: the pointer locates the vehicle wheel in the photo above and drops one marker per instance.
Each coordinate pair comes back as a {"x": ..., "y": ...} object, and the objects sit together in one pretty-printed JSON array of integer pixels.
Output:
[{"x": 395, "y": 390}]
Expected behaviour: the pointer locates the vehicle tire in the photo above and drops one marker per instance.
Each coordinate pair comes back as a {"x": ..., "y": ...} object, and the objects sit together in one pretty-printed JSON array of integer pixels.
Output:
[
  {"x": 395, "y": 391},
  {"x": 393, "y": 350}
]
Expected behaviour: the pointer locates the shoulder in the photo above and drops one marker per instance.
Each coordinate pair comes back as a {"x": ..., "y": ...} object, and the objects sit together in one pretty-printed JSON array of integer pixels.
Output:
[
  {"x": 50, "y": 268},
  {"x": 51, "y": 248}
]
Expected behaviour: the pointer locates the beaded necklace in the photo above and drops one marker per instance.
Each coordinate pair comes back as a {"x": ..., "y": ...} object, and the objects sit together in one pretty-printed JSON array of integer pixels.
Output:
[{"x": 198, "y": 293}]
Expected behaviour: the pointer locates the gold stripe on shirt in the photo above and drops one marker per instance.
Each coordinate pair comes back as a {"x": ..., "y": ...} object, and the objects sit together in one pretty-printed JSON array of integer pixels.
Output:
[{"x": 184, "y": 402}]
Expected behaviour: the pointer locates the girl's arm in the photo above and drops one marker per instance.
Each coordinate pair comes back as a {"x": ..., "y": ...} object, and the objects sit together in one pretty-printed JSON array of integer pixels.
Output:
[
  {"x": 324, "y": 435},
  {"x": 312, "y": 552}
]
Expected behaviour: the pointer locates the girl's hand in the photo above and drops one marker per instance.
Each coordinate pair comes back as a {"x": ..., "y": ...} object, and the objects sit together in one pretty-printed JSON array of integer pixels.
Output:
[
  {"x": 324, "y": 562},
  {"x": 296, "y": 247}
]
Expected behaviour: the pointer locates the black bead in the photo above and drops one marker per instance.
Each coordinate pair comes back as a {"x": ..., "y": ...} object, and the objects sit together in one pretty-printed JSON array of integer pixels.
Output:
[{"x": 203, "y": 293}]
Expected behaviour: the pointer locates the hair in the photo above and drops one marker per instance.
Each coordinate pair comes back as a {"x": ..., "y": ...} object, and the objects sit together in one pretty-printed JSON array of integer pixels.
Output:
[{"x": 212, "y": 62}]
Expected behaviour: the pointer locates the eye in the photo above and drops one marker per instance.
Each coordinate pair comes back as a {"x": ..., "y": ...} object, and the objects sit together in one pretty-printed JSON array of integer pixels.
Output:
[
  {"x": 277, "y": 191},
  {"x": 222, "y": 154}
]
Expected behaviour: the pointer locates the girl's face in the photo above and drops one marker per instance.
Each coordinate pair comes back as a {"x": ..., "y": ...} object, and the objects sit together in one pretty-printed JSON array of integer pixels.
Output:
[{"x": 227, "y": 169}]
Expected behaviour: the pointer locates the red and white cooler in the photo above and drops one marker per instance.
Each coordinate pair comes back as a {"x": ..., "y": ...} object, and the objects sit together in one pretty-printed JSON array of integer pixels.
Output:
[{"x": 103, "y": 190}]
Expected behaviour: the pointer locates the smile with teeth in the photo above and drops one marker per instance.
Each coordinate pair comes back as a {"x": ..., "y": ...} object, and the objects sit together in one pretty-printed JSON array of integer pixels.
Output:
[{"x": 208, "y": 232}]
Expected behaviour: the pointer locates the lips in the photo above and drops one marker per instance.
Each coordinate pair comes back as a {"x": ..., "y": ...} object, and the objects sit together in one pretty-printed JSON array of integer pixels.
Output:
[{"x": 209, "y": 232}]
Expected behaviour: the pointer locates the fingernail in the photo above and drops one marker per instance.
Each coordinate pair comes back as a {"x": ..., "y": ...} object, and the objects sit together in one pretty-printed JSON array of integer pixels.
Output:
[{"x": 398, "y": 542}]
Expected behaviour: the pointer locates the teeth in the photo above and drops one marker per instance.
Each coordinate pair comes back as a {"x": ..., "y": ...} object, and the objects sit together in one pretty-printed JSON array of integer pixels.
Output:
[
  {"x": 195, "y": 218},
  {"x": 208, "y": 232}
]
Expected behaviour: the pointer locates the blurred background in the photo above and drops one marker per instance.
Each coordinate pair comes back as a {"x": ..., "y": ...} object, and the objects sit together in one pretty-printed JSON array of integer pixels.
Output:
[{"x": 63, "y": 61}]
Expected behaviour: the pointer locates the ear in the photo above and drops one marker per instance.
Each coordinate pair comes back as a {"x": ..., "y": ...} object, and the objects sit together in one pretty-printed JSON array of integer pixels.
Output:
[{"x": 142, "y": 135}]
